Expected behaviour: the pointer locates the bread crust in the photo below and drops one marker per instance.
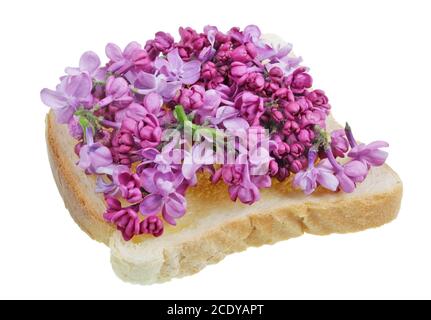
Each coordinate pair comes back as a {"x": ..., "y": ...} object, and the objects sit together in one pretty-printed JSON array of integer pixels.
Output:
[{"x": 191, "y": 254}]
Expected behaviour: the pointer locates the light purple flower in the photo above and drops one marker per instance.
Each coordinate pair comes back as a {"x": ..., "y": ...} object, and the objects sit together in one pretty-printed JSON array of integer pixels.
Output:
[
  {"x": 146, "y": 83},
  {"x": 94, "y": 157},
  {"x": 229, "y": 117},
  {"x": 122, "y": 61},
  {"x": 133, "y": 111},
  {"x": 117, "y": 92},
  {"x": 72, "y": 92},
  {"x": 370, "y": 154},
  {"x": 322, "y": 174},
  {"x": 88, "y": 63},
  {"x": 348, "y": 174},
  {"x": 163, "y": 195},
  {"x": 201, "y": 154},
  {"x": 175, "y": 69}
]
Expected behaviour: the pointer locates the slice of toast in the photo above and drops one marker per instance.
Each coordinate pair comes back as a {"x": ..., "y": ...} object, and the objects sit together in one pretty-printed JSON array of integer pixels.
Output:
[{"x": 214, "y": 226}]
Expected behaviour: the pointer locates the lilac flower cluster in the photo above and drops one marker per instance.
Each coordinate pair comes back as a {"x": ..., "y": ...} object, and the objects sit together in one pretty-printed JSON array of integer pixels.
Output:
[{"x": 123, "y": 113}]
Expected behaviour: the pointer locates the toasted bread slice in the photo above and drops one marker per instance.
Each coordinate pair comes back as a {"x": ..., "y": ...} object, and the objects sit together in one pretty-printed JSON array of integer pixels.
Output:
[{"x": 214, "y": 226}]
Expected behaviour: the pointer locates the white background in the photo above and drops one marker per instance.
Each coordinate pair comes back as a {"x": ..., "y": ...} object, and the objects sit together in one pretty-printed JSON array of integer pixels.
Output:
[{"x": 373, "y": 58}]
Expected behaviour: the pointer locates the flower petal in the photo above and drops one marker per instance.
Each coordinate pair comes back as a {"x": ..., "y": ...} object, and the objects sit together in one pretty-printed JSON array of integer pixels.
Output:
[
  {"x": 113, "y": 52},
  {"x": 191, "y": 72},
  {"x": 327, "y": 180},
  {"x": 53, "y": 99},
  {"x": 89, "y": 62},
  {"x": 151, "y": 205}
]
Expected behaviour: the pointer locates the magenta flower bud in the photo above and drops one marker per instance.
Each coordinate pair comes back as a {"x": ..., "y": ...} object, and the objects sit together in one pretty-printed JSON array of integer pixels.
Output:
[
  {"x": 192, "y": 98},
  {"x": 126, "y": 220},
  {"x": 250, "y": 106},
  {"x": 306, "y": 136},
  {"x": 304, "y": 104},
  {"x": 238, "y": 70},
  {"x": 273, "y": 168},
  {"x": 122, "y": 144},
  {"x": 224, "y": 52},
  {"x": 149, "y": 132},
  {"x": 319, "y": 100},
  {"x": 271, "y": 87},
  {"x": 129, "y": 186},
  {"x": 163, "y": 43},
  {"x": 255, "y": 82},
  {"x": 244, "y": 53},
  {"x": 339, "y": 143},
  {"x": 292, "y": 107},
  {"x": 296, "y": 166},
  {"x": 296, "y": 149},
  {"x": 300, "y": 81},
  {"x": 290, "y": 127},
  {"x": 209, "y": 71},
  {"x": 152, "y": 225},
  {"x": 282, "y": 147},
  {"x": 277, "y": 115},
  {"x": 276, "y": 74},
  {"x": 282, "y": 174},
  {"x": 231, "y": 174}
]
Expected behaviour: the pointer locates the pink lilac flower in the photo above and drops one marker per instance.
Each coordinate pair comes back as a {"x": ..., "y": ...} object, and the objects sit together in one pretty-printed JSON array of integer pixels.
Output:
[
  {"x": 250, "y": 106},
  {"x": 162, "y": 43},
  {"x": 89, "y": 63},
  {"x": 94, "y": 157},
  {"x": 163, "y": 195},
  {"x": 370, "y": 153},
  {"x": 147, "y": 83},
  {"x": 228, "y": 117},
  {"x": 152, "y": 225},
  {"x": 308, "y": 179},
  {"x": 117, "y": 92},
  {"x": 175, "y": 69},
  {"x": 126, "y": 219},
  {"x": 242, "y": 185},
  {"x": 128, "y": 183},
  {"x": 319, "y": 100},
  {"x": 72, "y": 92},
  {"x": 339, "y": 143},
  {"x": 348, "y": 174},
  {"x": 132, "y": 56}
]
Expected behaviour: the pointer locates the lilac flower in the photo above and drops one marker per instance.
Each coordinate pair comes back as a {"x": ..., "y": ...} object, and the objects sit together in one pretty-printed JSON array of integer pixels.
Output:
[
  {"x": 370, "y": 154},
  {"x": 152, "y": 225},
  {"x": 126, "y": 219},
  {"x": 129, "y": 184},
  {"x": 89, "y": 63},
  {"x": 175, "y": 69},
  {"x": 307, "y": 180},
  {"x": 319, "y": 100},
  {"x": 165, "y": 161},
  {"x": 244, "y": 53},
  {"x": 208, "y": 53},
  {"x": 117, "y": 92},
  {"x": 163, "y": 195},
  {"x": 230, "y": 119},
  {"x": 147, "y": 83},
  {"x": 201, "y": 154},
  {"x": 163, "y": 43},
  {"x": 250, "y": 106},
  {"x": 133, "y": 56},
  {"x": 133, "y": 111},
  {"x": 300, "y": 80},
  {"x": 94, "y": 157},
  {"x": 339, "y": 143},
  {"x": 242, "y": 185},
  {"x": 348, "y": 174},
  {"x": 72, "y": 92}
]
